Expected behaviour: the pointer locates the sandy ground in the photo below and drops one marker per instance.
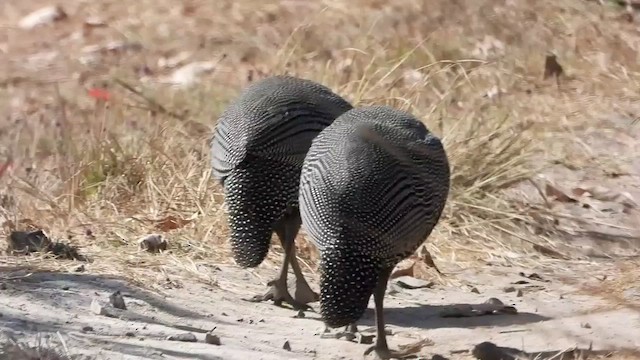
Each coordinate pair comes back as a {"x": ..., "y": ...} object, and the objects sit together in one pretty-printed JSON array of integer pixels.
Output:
[{"x": 553, "y": 315}]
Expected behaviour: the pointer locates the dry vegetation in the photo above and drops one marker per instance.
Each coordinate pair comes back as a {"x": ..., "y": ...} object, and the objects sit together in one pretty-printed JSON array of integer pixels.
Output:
[{"x": 102, "y": 173}]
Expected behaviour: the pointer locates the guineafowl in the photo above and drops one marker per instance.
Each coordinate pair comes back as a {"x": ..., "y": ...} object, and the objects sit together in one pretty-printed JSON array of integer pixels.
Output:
[
  {"x": 257, "y": 151},
  {"x": 373, "y": 186}
]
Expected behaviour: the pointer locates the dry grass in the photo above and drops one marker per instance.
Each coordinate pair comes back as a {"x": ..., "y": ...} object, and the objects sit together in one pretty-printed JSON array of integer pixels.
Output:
[
  {"x": 116, "y": 168},
  {"x": 44, "y": 349}
]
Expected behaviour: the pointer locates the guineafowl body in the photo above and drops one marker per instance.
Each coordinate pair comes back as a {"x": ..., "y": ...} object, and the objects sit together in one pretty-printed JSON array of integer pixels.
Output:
[
  {"x": 257, "y": 152},
  {"x": 372, "y": 188}
]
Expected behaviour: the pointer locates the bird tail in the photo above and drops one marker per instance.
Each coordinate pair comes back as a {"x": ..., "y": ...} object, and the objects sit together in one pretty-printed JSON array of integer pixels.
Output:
[
  {"x": 347, "y": 282},
  {"x": 249, "y": 239}
]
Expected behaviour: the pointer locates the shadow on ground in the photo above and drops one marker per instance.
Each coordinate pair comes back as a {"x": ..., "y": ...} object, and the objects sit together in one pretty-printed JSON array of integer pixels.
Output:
[
  {"x": 42, "y": 284},
  {"x": 428, "y": 317}
]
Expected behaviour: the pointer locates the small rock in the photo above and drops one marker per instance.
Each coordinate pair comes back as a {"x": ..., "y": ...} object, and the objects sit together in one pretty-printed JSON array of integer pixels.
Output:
[
  {"x": 475, "y": 290},
  {"x": 438, "y": 357},
  {"x": 586, "y": 325},
  {"x": 185, "y": 337},
  {"x": 364, "y": 339},
  {"x": 519, "y": 293},
  {"x": 23, "y": 242},
  {"x": 286, "y": 346},
  {"x": 152, "y": 243},
  {"x": 42, "y": 16},
  {"x": 490, "y": 351},
  {"x": 117, "y": 301},
  {"x": 129, "y": 334},
  {"x": 98, "y": 309},
  {"x": 87, "y": 328},
  {"x": 189, "y": 74},
  {"x": 409, "y": 282},
  {"x": 509, "y": 289},
  {"x": 79, "y": 268},
  {"x": 212, "y": 339},
  {"x": 65, "y": 287},
  {"x": 300, "y": 314},
  {"x": 3, "y": 286},
  {"x": 494, "y": 301}
]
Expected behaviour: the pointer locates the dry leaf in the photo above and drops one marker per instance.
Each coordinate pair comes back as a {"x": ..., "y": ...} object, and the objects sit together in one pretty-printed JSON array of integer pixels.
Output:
[
  {"x": 174, "y": 61},
  {"x": 557, "y": 194},
  {"x": 552, "y": 67},
  {"x": 45, "y": 15},
  {"x": 171, "y": 222},
  {"x": 408, "y": 271},
  {"x": 4, "y": 167},
  {"x": 548, "y": 252},
  {"x": 603, "y": 194},
  {"x": 426, "y": 258},
  {"x": 415, "y": 347},
  {"x": 189, "y": 74}
]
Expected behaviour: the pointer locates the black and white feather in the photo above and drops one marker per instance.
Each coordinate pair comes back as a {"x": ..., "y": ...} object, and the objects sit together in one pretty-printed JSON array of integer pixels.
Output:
[
  {"x": 257, "y": 152},
  {"x": 372, "y": 188}
]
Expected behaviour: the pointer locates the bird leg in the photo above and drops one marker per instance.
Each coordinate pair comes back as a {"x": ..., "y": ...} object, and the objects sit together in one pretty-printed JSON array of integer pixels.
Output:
[
  {"x": 381, "y": 347},
  {"x": 287, "y": 229},
  {"x": 303, "y": 293}
]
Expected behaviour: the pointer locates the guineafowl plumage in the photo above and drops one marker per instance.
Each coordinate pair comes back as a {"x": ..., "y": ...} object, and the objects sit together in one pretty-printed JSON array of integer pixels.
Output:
[
  {"x": 257, "y": 151},
  {"x": 372, "y": 188}
]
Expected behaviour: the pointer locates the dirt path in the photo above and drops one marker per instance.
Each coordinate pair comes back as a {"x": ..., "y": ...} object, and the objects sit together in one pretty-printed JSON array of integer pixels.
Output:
[{"x": 552, "y": 316}]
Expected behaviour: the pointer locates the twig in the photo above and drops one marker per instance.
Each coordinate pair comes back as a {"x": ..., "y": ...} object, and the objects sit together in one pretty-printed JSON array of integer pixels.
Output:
[
  {"x": 154, "y": 105},
  {"x": 544, "y": 197}
]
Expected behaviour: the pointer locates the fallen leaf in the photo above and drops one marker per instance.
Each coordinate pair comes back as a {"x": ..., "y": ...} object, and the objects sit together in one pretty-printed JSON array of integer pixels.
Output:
[
  {"x": 174, "y": 61},
  {"x": 408, "y": 271},
  {"x": 548, "y": 252},
  {"x": 604, "y": 194},
  {"x": 415, "y": 347},
  {"x": 557, "y": 194},
  {"x": 4, "y": 167},
  {"x": 45, "y": 15},
  {"x": 552, "y": 67},
  {"x": 189, "y": 74},
  {"x": 426, "y": 258},
  {"x": 409, "y": 282},
  {"x": 99, "y": 94},
  {"x": 171, "y": 222}
]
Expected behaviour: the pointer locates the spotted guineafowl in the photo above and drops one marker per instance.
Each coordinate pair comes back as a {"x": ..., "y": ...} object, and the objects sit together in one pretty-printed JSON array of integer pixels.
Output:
[
  {"x": 257, "y": 151},
  {"x": 372, "y": 188}
]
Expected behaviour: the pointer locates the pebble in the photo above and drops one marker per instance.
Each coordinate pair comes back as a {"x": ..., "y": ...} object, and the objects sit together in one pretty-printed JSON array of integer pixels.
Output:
[
  {"x": 212, "y": 339},
  {"x": 117, "y": 301},
  {"x": 286, "y": 346},
  {"x": 185, "y": 337}
]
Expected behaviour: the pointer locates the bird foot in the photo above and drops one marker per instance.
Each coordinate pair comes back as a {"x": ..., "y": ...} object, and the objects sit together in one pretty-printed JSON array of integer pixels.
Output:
[
  {"x": 304, "y": 294},
  {"x": 350, "y": 333},
  {"x": 279, "y": 294},
  {"x": 383, "y": 353}
]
